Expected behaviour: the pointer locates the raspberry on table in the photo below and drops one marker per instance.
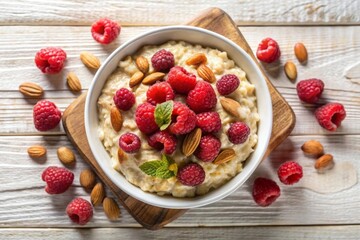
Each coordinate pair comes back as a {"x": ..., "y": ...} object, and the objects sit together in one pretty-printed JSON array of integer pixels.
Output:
[
  {"x": 144, "y": 118},
  {"x": 105, "y": 31},
  {"x": 202, "y": 98},
  {"x": 310, "y": 90},
  {"x": 50, "y": 60},
  {"x": 209, "y": 122},
  {"x": 208, "y": 149},
  {"x": 124, "y": 99},
  {"x": 129, "y": 142},
  {"x": 183, "y": 119},
  {"x": 162, "y": 60},
  {"x": 163, "y": 140},
  {"x": 265, "y": 191},
  {"x": 181, "y": 80},
  {"x": 227, "y": 84},
  {"x": 238, "y": 132},
  {"x": 290, "y": 172},
  {"x": 79, "y": 211},
  {"x": 268, "y": 50},
  {"x": 191, "y": 174},
  {"x": 58, "y": 179},
  {"x": 46, "y": 115},
  {"x": 330, "y": 115},
  {"x": 160, "y": 92}
]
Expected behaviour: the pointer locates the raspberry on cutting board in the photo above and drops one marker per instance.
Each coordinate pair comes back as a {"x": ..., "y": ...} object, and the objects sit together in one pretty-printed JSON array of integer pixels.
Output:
[
  {"x": 50, "y": 60},
  {"x": 265, "y": 191},
  {"x": 79, "y": 211},
  {"x": 46, "y": 115},
  {"x": 202, "y": 98},
  {"x": 310, "y": 90},
  {"x": 268, "y": 50},
  {"x": 163, "y": 141},
  {"x": 58, "y": 179},
  {"x": 191, "y": 174},
  {"x": 163, "y": 60},
  {"x": 290, "y": 172},
  {"x": 105, "y": 31},
  {"x": 181, "y": 80},
  {"x": 208, "y": 149},
  {"x": 330, "y": 116}
]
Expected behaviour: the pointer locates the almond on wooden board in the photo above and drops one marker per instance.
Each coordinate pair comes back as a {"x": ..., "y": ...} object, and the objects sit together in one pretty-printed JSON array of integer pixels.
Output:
[
  {"x": 73, "y": 82},
  {"x": 111, "y": 208},
  {"x": 196, "y": 59},
  {"x": 116, "y": 119},
  {"x": 324, "y": 163},
  {"x": 142, "y": 64},
  {"x": 153, "y": 77},
  {"x": 97, "y": 194},
  {"x": 87, "y": 178},
  {"x": 290, "y": 70},
  {"x": 313, "y": 148},
  {"x": 66, "y": 155},
  {"x": 300, "y": 52},
  {"x": 36, "y": 151},
  {"x": 206, "y": 73},
  {"x": 31, "y": 89},
  {"x": 191, "y": 142},
  {"x": 90, "y": 60},
  {"x": 225, "y": 156},
  {"x": 136, "y": 79},
  {"x": 231, "y": 106}
]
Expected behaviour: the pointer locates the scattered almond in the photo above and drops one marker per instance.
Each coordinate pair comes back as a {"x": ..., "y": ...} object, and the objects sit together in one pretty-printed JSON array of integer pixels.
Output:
[
  {"x": 36, "y": 151},
  {"x": 290, "y": 70},
  {"x": 231, "y": 106},
  {"x": 122, "y": 156},
  {"x": 313, "y": 148},
  {"x": 97, "y": 194},
  {"x": 116, "y": 119},
  {"x": 73, "y": 82},
  {"x": 191, "y": 142},
  {"x": 136, "y": 79},
  {"x": 142, "y": 64},
  {"x": 87, "y": 178},
  {"x": 111, "y": 208},
  {"x": 153, "y": 77},
  {"x": 65, "y": 155},
  {"x": 196, "y": 59},
  {"x": 324, "y": 163},
  {"x": 90, "y": 60},
  {"x": 224, "y": 156},
  {"x": 301, "y": 52},
  {"x": 31, "y": 89},
  {"x": 206, "y": 73}
]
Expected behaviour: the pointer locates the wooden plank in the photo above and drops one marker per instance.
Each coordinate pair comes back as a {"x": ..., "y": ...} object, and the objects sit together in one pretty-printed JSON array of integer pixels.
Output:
[{"x": 156, "y": 12}]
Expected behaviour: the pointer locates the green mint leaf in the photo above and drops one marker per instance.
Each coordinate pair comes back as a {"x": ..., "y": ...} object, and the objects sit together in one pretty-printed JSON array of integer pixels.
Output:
[
  {"x": 163, "y": 113},
  {"x": 151, "y": 167},
  {"x": 164, "y": 168},
  {"x": 164, "y": 173}
]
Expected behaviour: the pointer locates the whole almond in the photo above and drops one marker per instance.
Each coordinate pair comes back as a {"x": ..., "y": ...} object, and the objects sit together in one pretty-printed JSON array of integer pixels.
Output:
[
  {"x": 324, "y": 163},
  {"x": 196, "y": 59},
  {"x": 122, "y": 156},
  {"x": 301, "y": 52},
  {"x": 90, "y": 60},
  {"x": 136, "y": 79},
  {"x": 153, "y": 77},
  {"x": 73, "y": 82},
  {"x": 87, "y": 178},
  {"x": 66, "y": 155},
  {"x": 224, "y": 156},
  {"x": 111, "y": 208},
  {"x": 231, "y": 106},
  {"x": 191, "y": 142},
  {"x": 313, "y": 148},
  {"x": 206, "y": 73},
  {"x": 36, "y": 151},
  {"x": 290, "y": 70},
  {"x": 116, "y": 119},
  {"x": 142, "y": 64},
  {"x": 31, "y": 89},
  {"x": 97, "y": 194}
]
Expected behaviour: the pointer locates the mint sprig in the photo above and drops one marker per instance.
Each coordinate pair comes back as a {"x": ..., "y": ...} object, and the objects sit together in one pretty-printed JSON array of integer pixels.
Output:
[
  {"x": 163, "y": 113},
  {"x": 164, "y": 168}
]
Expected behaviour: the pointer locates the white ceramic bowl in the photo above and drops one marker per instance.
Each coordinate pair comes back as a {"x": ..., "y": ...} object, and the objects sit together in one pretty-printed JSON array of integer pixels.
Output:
[{"x": 196, "y": 36}]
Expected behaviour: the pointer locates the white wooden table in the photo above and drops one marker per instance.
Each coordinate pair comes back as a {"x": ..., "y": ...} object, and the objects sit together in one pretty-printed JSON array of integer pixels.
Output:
[{"x": 329, "y": 29}]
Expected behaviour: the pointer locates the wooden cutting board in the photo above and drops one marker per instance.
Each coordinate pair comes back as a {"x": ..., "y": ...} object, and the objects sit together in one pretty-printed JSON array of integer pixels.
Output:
[{"x": 151, "y": 217}]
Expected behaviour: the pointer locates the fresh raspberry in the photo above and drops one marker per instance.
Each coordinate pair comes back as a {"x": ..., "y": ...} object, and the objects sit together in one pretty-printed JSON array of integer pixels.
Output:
[
  {"x": 191, "y": 174},
  {"x": 124, "y": 99},
  {"x": 162, "y": 60},
  {"x": 105, "y": 31},
  {"x": 290, "y": 173},
  {"x": 46, "y": 115},
  {"x": 208, "y": 121},
  {"x": 265, "y": 191},
  {"x": 208, "y": 149},
  {"x": 202, "y": 98},
  {"x": 181, "y": 80},
  {"x": 129, "y": 142},
  {"x": 50, "y": 60},
  {"x": 183, "y": 119},
  {"x": 144, "y": 118},
  {"x": 79, "y": 211},
  {"x": 268, "y": 50},
  {"x": 310, "y": 90},
  {"x": 58, "y": 179},
  {"x": 227, "y": 84},
  {"x": 163, "y": 140},
  {"x": 330, "y": 115},
  {"x": 160, "y": 92},
  {"x": 238, "y": 132}
]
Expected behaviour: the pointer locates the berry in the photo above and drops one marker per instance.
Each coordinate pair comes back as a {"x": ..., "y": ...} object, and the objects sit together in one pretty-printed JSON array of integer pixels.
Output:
[
  {"x": 265, "y": 191},
  {"x": 227, "y": 84},
  {"x": 181, "y": 80},
  {"x": 46, "y": 115},
  {"x": 330, "y": 115},
  {"x": 124, "y": 99},
  {"x": 160, "y": 92},
  {"x": 163, "y": 140},
  {"x": 268, "y": 50},
  {"x": 105, "y": 31},
  {"x": 162, "y": 60},
  {"x": 50, "y": 60},
  {"x": 290, "y": 173},
  {"x": 208, "y": 149},
  {"x": 144, "y": 118},
  {"x": 208, "y": 121},
  {"x": 79, "y": 211},
  {"x": 310, "y": 90},
  {"x": 202, "y": 98},
  {"x": 183, "y": 119},
  {"x": 238, "y": 132},
  {"x": 58, "y": 179},
  {"x": 191, "y": 174},
  {"x": 129, "y": 142}
]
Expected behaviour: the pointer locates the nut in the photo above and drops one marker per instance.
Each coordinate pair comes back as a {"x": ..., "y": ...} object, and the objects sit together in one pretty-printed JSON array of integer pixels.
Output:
[
  {"x": 31, "y": 89},
  {"x": 90, "y": 60},
  {"x": 116, "y": 119},
  {"x": 231, "y": 106},
  {"x": 191, "y": 142},
  {"x": 290, "y": 70},
  {"x": 301, "y": 52},
  {"x": 87, "y": 178},
  {"x": 224, "y": 156},
  {"x": 196, "y": 59},
  {"x": 142, "y": 64},
  {"x": 206, "y": 73},
  {"x": 313, "y": 148},
  {"x": 152, "y": 78},
  {"x": 36, "y": 151},
  {"x": 65, "y": 155},
  {"x": 136, "y": 79},
  {"x": 324, "y": 163},
  {"x": 97, "y": 194},
  {"x": 122, "y": 156},
  {"x": 73, "y": 82},
  {"x": 111, "y": 208}
]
